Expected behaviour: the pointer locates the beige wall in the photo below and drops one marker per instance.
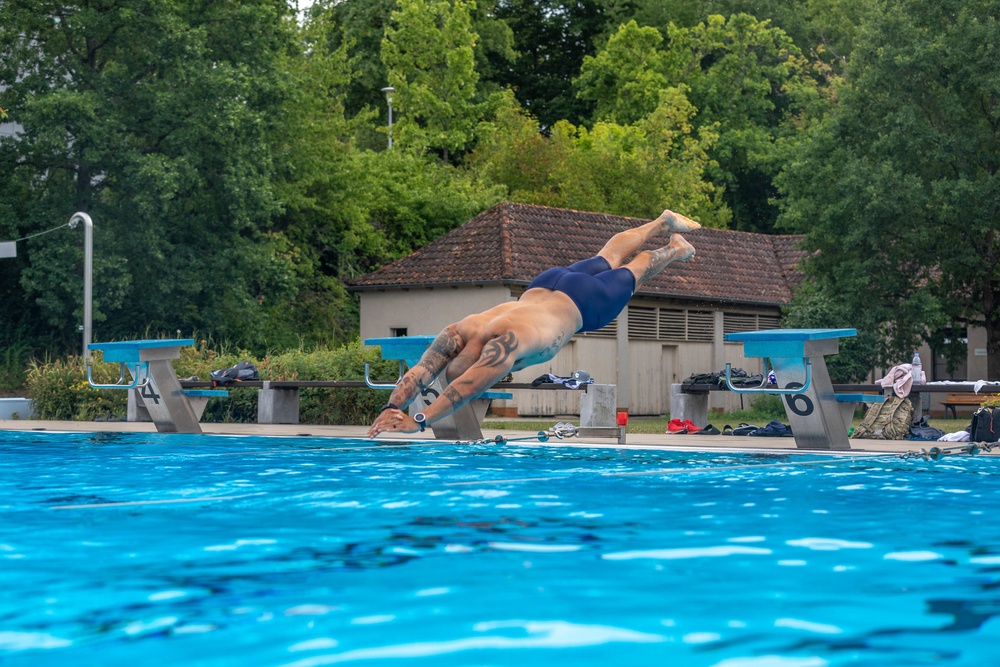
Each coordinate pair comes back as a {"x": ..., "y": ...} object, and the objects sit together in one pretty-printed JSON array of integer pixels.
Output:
[{"x": 424, "y": 311}]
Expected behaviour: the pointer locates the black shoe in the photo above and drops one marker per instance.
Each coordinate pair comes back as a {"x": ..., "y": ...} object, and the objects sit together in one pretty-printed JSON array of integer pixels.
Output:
[
  {"x": 708, "y": 430},
  {"x": 745, "y": 429}
]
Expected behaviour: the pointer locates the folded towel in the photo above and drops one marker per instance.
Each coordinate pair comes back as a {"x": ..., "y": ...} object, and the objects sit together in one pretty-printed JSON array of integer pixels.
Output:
[{"x": 900, "y": 378}]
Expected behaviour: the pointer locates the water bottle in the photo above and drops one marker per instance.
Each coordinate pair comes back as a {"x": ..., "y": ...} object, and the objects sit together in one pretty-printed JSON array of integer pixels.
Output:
[{"x": 918, "y": 369}]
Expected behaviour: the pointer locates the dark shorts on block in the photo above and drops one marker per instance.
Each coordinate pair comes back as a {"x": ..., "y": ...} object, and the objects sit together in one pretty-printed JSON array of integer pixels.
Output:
[{"x": 599, "y": 291}]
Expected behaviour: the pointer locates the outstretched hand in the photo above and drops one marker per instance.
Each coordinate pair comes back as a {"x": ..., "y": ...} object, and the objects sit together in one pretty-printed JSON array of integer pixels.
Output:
[{"x": 393, "y": 420}]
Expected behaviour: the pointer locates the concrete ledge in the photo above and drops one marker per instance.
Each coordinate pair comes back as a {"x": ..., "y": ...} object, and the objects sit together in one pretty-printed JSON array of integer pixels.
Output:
[{"x": 16, "y": 408}]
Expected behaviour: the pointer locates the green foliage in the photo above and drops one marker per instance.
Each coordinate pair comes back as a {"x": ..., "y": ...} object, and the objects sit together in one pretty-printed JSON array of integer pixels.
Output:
[
  {"x": 14, "y": 358},
  {"x": 428, "y": 52},
  {"x": 59, "y": 390},
  {"x": 622, "y": 169},
  {"x": 625, "y": 78},
  {"x": 745, "y": 80},
  {"x": 152, "y": 117},
  {"x": 896, "y": 189},
  {"x": 551, "y": 38}
]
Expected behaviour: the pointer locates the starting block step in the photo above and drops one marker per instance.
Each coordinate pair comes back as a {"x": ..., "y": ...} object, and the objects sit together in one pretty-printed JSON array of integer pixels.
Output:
[
  {"x": 497, "y": 395},
  {"x": 860, "y": 398},
  {"x": 205, "y": 393}
]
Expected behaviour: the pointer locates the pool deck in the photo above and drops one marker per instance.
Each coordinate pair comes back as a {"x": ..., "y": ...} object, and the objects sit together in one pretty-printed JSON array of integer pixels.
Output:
[{"x": 663, "y": 441}]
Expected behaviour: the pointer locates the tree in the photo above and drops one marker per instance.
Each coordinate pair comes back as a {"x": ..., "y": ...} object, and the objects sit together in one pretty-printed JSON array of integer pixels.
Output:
[
  {"x": 625, "y": 78},
  {"x": 896, "y": 190},
  {"x": 551, "y": 37},
  {"x": 428, "y": 51},
  {"x": 616, "y": 168},
  {"x": 749, "y": 80},
  {"x": 152, "y": 117},
  {"x": 360, "y": 26}
]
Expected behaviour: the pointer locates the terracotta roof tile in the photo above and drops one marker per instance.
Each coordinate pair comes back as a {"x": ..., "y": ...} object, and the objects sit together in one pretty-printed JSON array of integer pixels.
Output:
[{"x": 512, "y": 243}]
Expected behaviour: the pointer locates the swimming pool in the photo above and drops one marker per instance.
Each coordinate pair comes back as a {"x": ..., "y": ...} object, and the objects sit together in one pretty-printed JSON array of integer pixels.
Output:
[{"x": 124, "y": 549}]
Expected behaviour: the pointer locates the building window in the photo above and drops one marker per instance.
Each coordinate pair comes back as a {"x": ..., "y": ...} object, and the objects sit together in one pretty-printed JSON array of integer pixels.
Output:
[{"x": 397, "y": 332}]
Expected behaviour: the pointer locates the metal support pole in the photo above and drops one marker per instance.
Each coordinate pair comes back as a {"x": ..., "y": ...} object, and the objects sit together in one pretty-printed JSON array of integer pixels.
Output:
[
  {"x": 389, "y": 90},
  {"x": 88, "y": 277}
]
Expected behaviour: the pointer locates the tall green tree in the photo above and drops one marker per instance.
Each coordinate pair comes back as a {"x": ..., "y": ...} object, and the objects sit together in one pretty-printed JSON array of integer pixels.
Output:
[
  {"x": 551, "y": 38},
  {"x": 897, "y": 190},
  {"x": 627, "y": 169},
  {"x": 153, "y": 118},
  {"x": 428, "y": 51},
  {"x": 747, "y": 81},
  {"x": 361, "y": 24}
]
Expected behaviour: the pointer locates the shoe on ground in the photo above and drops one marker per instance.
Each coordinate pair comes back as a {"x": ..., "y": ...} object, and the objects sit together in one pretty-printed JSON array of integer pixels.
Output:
[
  {"x": 708, "y": 430},
  {"x": 676, "y": 426}
]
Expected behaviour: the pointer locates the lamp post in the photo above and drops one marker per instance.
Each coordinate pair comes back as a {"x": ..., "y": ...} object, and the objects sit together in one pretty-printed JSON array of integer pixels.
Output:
[
  {"x": 88, "y": 275},
  {"x": 389, "y": 90}
]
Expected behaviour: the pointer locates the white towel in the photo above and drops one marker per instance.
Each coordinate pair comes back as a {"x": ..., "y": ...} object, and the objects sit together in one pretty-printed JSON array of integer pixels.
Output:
[{"x": 982, "y": 383}]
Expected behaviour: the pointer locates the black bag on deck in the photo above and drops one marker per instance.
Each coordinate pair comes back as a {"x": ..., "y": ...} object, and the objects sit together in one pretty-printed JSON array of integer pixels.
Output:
[
  {"x": 985, "y": 425},
  {"x": 241, "y": 372}
]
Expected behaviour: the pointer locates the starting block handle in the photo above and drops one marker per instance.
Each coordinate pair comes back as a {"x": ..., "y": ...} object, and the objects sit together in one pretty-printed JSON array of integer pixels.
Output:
[
  {"x": 140, "y": 377},
  {"x": 787, "y": 391},
  {"x": 378, "y": 385}
]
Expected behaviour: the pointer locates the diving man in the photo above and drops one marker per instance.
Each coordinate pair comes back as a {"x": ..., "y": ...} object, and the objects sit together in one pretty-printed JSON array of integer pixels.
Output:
[{"x": 478, "y": 351}]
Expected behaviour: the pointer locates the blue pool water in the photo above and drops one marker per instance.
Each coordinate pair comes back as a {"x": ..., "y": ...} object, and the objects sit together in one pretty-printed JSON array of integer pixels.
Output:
[{"x": 298, "y": 551}]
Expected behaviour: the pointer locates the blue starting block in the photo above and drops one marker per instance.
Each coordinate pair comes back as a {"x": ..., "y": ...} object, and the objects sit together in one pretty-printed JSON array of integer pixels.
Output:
[
  {"x": 465, "y": 423},
  {"x": 150, "y": 363},
  {"x": 819, "y": 417}
]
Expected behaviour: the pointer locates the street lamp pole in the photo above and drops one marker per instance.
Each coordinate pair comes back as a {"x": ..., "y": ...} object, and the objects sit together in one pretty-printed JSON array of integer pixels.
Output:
[
  {"x": 88, "y": 276},
  {"x": 389, "y": 90}
]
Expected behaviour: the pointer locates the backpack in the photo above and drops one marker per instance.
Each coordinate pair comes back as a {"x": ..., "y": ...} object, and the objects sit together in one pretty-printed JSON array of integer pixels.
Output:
[
  {"x": 241, "y": 372},
  {"x": 886, "y": 421},
  {"x": 985, "y": 425},
  {"x": 921, "y": 430}
]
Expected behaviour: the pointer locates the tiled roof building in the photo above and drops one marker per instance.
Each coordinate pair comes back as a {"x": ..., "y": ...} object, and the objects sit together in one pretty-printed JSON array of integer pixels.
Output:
[
  {"x": 674, "y": 325},
  {"x": 512, "y": 243}
]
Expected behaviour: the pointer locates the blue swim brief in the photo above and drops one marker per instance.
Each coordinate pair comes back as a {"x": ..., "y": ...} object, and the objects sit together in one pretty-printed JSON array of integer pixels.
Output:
[{"x": 599, "y": 291}]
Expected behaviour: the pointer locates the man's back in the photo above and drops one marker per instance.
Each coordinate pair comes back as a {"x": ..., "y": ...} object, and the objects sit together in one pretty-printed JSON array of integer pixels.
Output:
[{"x": 537, "y": 326}]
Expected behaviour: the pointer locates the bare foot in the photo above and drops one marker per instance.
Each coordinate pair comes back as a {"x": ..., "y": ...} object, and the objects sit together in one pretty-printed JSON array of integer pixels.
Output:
[
  {"x": 675, "y": 222},
  {"x": 680, "y": 245}
]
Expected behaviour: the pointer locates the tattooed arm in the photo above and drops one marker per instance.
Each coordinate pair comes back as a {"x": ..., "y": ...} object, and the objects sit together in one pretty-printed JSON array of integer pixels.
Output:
[
  {"x": 497, "y": 359},
  {"x": 445, "y": 347},
  {"x": 448, "y": 344},
  {"x": 494, "y": 363}
]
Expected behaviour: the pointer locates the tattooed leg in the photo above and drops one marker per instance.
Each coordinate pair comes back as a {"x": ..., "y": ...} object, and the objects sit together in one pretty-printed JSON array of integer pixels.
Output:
[{"x": 649, "y": 263}]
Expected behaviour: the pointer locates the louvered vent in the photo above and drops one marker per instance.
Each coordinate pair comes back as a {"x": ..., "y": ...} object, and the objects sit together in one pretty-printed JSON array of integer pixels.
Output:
[
  {"x": 736, "y": 322},
  {"x": 642, "y": 323},
  {"x": 701, "y": 325},
  {"x": 765, "y": 322},
  {"x": 673, "y": 324},
  {"x": 609, "y": 331}
]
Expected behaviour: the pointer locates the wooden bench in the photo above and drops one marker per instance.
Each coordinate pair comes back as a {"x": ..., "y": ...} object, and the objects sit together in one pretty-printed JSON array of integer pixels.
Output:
[{"x": 953, "y": 400}]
